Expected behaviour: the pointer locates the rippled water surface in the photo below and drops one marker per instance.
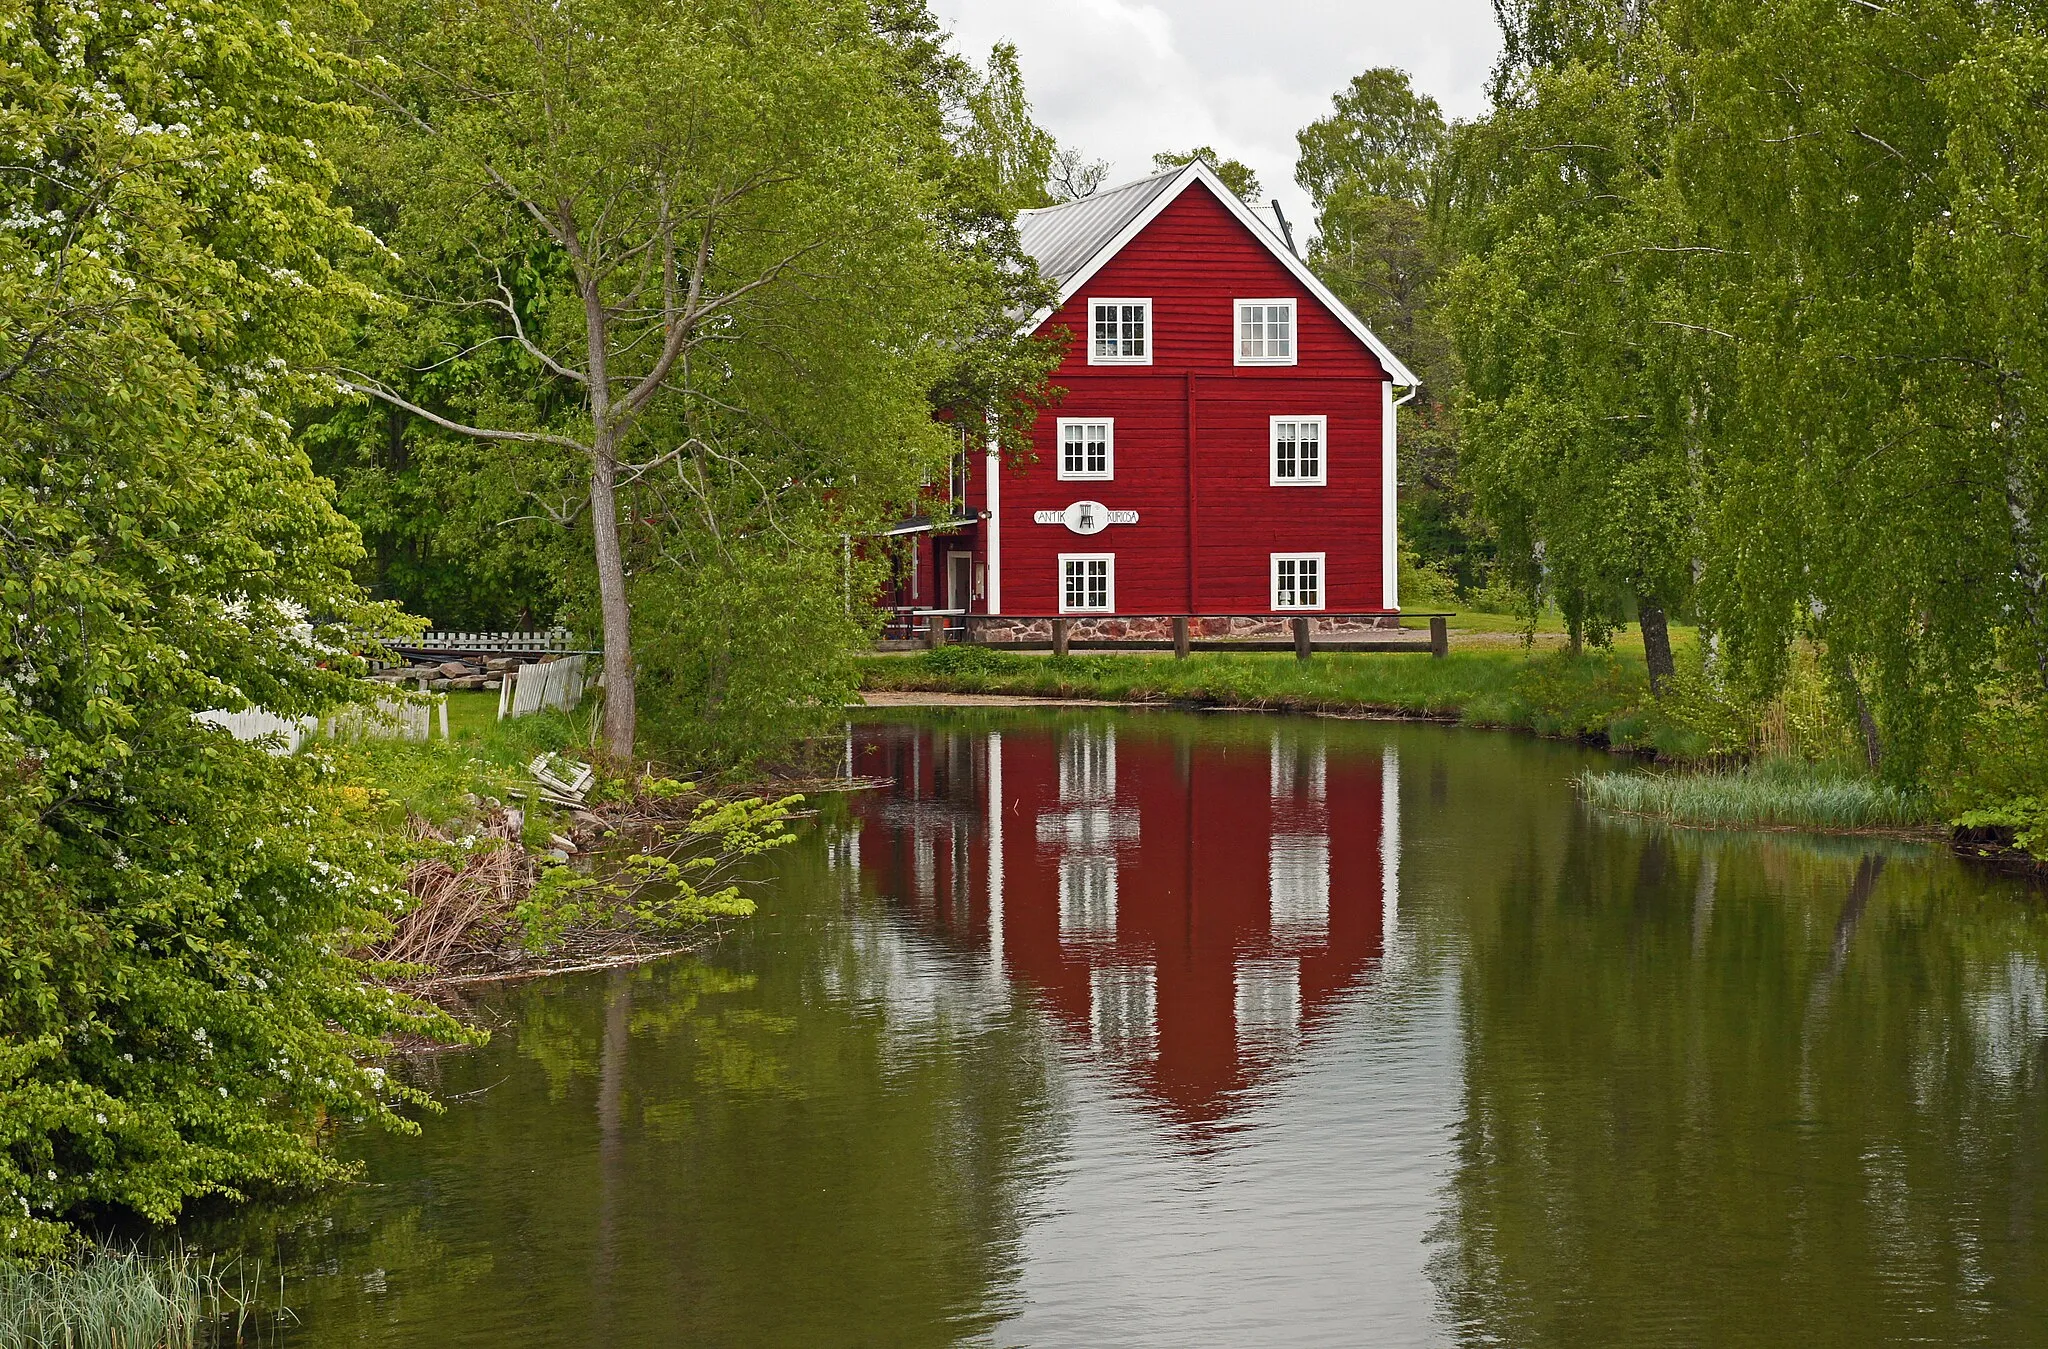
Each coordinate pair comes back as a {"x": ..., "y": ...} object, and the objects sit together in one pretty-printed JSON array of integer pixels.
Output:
[{"x": 1142, "y": 1028}]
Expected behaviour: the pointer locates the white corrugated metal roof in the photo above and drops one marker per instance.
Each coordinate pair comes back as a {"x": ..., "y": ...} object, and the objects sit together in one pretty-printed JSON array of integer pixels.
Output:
[{"x": 1064, "y": 239}]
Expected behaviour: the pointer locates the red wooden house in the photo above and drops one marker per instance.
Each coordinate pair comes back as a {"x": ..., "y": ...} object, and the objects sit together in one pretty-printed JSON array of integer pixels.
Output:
[{"x": 1226, "y": 445}]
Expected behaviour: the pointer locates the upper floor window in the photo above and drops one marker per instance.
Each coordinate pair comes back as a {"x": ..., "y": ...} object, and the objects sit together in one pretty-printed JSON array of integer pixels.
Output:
[
  {"x": 1087, "y": 448},
  {"x": 1120, "y": 332},
  {"x": 1087, "y": 582},
  {"x": 1298, "y": 459},
  {"x": 1297, "y": 580},
  {"x": 1265, "y": 332}
]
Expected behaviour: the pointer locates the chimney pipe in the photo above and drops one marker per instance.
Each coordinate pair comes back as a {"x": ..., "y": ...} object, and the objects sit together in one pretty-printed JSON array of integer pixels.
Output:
[{"x": 1286, "y": 230}]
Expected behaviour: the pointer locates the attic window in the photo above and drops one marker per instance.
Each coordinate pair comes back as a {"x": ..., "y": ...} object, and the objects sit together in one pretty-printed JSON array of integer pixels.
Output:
[
  {"x": 1120, "y": 332},
  {"x": 1265, "y": 332}
]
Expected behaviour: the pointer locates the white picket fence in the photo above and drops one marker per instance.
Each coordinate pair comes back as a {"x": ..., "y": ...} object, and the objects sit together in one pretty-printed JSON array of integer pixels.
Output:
[
  {"x": 532, "y": 688},
  {"x": 386, "y": 719},
  {"x": 540, "y": 640},
  {"x": 254, "y": 723}
]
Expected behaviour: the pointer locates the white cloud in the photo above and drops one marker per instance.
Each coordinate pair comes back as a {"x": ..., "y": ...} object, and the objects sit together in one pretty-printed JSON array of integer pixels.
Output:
[{"x": 1123, "y": 80}]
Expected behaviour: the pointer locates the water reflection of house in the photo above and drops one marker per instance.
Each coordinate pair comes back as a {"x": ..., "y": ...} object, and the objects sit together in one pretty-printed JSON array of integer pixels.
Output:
[{"x": 1189, "y": 909}]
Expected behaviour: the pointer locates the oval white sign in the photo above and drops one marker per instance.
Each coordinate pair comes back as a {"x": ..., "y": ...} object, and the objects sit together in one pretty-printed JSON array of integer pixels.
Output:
[{"x": 1086, "y": 517}]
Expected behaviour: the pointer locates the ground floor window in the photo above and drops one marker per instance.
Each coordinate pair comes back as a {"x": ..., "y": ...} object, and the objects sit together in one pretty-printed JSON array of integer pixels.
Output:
[
  {"x": 1297, "y": 580},
  {"x": 1087, "y": 582}
]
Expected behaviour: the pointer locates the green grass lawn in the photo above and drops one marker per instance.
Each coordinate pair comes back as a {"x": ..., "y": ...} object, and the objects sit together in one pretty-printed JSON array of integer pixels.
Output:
[
  {"x": 472, "y": 715},
  {"x": 1597, "y": 694},
  {"x": 483, "y": 757}
]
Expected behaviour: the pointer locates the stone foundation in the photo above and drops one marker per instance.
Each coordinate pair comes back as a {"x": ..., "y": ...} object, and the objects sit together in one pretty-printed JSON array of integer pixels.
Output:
[{"x": 1003, "y": 630}]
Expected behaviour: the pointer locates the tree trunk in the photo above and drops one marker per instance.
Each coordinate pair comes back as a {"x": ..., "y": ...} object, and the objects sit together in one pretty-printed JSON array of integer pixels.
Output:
[
  {"x": 1873, "y": 744},
  {"x": 620, "y": 710},
  {"x": 1656, "y": 642},
  {"x": 1866, "y": 721}
]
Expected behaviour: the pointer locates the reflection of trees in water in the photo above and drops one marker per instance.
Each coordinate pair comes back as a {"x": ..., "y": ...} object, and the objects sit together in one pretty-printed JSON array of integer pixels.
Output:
[
  {"x": 1722, "y": 1090},
  {"x": 699, "y": 1152}
]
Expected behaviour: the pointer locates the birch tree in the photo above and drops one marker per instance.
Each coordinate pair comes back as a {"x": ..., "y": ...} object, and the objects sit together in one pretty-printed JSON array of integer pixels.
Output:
[{"x": 660, "y": 188}]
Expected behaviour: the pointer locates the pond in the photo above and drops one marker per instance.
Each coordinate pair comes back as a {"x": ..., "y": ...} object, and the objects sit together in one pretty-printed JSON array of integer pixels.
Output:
[{"x": 1147, "y": 1028}]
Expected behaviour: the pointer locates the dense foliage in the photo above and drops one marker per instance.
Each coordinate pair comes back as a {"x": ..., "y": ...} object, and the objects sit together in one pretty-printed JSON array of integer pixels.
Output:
[
  {"x": 1374, "y": 167},
  {"x": 685, "y": 291},
  {"x": 177, "y": 1014},
  {"x": 1747, "y": 305}
]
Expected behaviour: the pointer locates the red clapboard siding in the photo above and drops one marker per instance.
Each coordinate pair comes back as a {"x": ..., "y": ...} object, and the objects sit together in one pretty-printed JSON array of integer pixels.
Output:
[{"x": 1194, "y": 261}]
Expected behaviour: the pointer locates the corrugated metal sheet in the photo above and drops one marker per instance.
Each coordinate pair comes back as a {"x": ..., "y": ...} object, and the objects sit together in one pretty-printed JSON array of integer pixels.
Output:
[{"x": 1064, "y": 239}]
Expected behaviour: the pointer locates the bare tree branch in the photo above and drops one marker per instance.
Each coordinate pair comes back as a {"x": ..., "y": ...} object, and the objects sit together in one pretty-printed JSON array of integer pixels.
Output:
[
  {"x": 519, "y": 334},
  {"x": 356, "y": 382}
]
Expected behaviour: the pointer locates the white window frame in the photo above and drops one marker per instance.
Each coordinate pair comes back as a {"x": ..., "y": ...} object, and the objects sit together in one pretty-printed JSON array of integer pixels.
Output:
[
  {"x": 1109, "y": 581},
  {"x": 1151, "y": 336},
  {"x": 1109, "y": 449},
  {"x": 1322, "y": 580},
  {"x": 1293, "y": 356},
  {"x": 1322, "y": 474}
]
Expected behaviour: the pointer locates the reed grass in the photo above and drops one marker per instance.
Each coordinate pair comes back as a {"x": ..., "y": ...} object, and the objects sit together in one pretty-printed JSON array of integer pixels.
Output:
[
  {"x": 102, "y": 1298},
  {"x": 1764, "y": 793}
]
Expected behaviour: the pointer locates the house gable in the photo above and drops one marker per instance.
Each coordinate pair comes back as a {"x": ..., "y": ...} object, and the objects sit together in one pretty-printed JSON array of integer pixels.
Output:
[{"x": 1209, "y": 238}]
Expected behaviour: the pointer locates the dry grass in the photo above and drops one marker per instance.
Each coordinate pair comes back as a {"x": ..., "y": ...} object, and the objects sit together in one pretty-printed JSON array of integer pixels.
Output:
[{"x": 460, "y": 902}]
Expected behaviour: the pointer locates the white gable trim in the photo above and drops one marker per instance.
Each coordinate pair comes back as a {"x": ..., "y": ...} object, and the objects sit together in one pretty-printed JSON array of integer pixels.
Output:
[{"x": 1402, "y": 375}]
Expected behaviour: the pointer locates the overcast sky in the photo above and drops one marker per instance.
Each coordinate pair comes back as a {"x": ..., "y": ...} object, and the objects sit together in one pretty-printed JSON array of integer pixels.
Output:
[{"x": 1123, "y": 79}]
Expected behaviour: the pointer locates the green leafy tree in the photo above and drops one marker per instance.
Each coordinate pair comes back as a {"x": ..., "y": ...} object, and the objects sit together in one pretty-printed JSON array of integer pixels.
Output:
[
  {"x": 1236, "y": 176},
  {"x": 177, "y": 1014},
  {"x": 1874, "y": 444},
  {"x": 1371, "y": 167},
  {"x": 1002, "y": 140},
  {"x": 735, "y": 246},
  {"x": 1576, "y": 416}
]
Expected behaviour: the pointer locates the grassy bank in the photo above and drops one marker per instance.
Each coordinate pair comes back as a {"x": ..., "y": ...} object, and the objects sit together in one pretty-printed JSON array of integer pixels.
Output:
[
  {"x": 1599, "y": 695},
  {"x": 502, "y": 882},
  {"x": 1765, "y": 793},
  {"x": 444, "y": 781},
  {"x": 1784, "y": 763}
]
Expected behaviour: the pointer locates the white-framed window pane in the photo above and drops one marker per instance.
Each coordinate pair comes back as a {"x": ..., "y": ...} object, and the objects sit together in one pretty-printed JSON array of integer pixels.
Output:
[
  {"x": 1085, "y": 449},
  {"x": 1119, "y": 330},
  {"x": 1265, "y": 332},
  {"x": 1298, "y": 451},
  {"x": 1279, "y": 332},
  {"x": 1084, "y": 583},
  {"x": 1297, "y": 582},
  {"x": 1105, "y": 330}
]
